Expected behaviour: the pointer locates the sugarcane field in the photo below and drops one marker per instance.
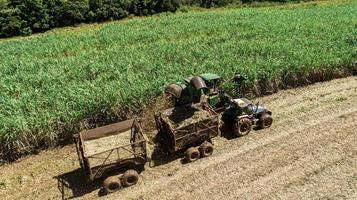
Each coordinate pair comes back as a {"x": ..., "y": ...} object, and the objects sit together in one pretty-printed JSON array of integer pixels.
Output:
[{"x": 178, "y": 99}]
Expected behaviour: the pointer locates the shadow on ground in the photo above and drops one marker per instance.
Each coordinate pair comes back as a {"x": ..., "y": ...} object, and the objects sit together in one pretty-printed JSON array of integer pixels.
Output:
[
  {"x": 74, "y": 184},
  {"x": 160, "y": 156},
  {"x": 227, "y": 133}
]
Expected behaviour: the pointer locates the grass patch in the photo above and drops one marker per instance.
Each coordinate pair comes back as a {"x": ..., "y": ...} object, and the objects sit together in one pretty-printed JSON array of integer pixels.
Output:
[
  {"x": 340, "y": 99},
  {"x": 3, "y": 4},
  {"x": 50, "y": 83},
  {"x": 2, "y": 185}
]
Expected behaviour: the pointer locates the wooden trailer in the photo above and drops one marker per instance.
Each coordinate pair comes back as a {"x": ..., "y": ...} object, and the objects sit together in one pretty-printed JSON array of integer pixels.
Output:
[
  {"x": 117, "y": 152},
  {"x": 189, "y": 128}
]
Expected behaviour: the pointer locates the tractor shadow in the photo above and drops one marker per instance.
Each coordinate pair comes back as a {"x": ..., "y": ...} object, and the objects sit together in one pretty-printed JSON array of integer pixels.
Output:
[
  {"x": 257, "y": 128},
  {"x": 226, "y": 132},
  {"x": 73, "y": 184},
  {"x": 180, "y": 114}
]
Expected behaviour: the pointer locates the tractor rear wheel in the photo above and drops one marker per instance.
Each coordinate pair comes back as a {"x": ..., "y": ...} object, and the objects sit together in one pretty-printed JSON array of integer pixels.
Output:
[
  {"x": 111, "y": 184},
  {"x": 265, "y": 121},
  {"x": 130, "y": 177},
  {"x": 206, "y": 149},
  {"x": 242, "y": 127},
  {"x": 192, "y": 154}
]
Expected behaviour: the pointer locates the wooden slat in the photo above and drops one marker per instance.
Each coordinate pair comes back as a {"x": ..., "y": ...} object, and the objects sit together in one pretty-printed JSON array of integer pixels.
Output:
[{"x": 107, "y": 130}]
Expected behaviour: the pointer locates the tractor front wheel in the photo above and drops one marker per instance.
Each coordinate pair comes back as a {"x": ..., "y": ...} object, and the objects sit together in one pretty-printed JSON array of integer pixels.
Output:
[
  {"x": 265, "y": 121},
  {"x": 242, "y": 127}
]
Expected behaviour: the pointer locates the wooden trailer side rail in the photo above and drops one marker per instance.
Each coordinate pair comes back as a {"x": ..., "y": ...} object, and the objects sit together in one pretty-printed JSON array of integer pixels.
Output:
[
  {"x": 138, "y": 142},
  {"x": 83, "y": 161},
  {"x": 203, "y": 130},
  {"x": 104, "y": 156},
  {"x": 181, "y": 137}
]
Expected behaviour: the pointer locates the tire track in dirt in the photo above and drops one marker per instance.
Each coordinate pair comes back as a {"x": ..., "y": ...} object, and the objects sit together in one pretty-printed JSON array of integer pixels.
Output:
[
  {"x": 313, "y": 156},
  {"x": 335, "y": 181},
  {"x": 255, "y": 173},
  {"x": 310, "y": 152},
  {"x": 340, "y": 101}
]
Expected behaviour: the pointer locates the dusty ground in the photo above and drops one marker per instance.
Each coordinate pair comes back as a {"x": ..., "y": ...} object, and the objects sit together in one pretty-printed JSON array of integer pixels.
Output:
[{"x": 310, "y": 152}]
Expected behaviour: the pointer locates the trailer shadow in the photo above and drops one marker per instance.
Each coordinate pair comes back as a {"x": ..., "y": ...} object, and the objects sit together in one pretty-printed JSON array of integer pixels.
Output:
[
  {"x": 161, "y": 157},
  {"x": 73, "y": 184}
]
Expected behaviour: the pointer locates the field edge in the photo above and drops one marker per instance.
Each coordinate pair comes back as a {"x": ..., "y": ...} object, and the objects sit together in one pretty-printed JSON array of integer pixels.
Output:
[{"x": 111, "y": 115}]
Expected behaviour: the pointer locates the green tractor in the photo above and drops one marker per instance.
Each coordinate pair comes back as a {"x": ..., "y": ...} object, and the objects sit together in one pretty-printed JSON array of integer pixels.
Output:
[
  {"x": 240, "y": 114},
  {"x": 203, "y": 88}
]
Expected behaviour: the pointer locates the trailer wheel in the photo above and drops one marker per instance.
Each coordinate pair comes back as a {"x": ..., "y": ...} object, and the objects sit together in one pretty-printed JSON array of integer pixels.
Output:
[
  {"x": 130, "y": 177},
  {"x": 192, "y": 154},
  {"x": 242, "y": 127},
  {"x": 206, "y": 149},
  {"x": 265, "y": 121},
  {"x": 111, "y": 184}
]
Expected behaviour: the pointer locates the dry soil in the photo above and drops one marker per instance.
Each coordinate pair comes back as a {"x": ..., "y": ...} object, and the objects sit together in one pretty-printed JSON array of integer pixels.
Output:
[{"x": 310, "y": 152}]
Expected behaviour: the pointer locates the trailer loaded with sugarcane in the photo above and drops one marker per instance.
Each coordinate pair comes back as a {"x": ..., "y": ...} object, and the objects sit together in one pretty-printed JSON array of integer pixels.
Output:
[
  {"x": 117, "y": 153},
  {"x": 189, "y": 128}
]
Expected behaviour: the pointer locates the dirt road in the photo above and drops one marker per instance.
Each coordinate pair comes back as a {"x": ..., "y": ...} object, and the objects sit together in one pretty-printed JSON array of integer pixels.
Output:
[{"x": 310, "y": 152}]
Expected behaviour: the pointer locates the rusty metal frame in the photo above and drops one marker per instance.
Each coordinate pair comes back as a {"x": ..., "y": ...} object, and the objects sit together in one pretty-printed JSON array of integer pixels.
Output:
[
  {"x": 95, "y": 172},
  {"x": 209, "y": 125},
  {"x": 109, "y": 152},
  {"x": 197, "y": 131}
]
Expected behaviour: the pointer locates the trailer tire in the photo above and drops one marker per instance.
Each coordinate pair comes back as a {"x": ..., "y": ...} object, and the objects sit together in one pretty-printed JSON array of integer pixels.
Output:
[
  {"x": 111, "y": 184},
  {"x": 265, "y": 121},
  {"x": 192, "y": 154},
  {"x": 130, "y": 177},
  {"x": 242, "y": 127},
  {"x": 206, "y": 149}
]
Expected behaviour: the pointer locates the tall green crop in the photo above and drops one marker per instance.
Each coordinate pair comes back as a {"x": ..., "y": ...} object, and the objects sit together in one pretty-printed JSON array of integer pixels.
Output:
[{"x": 49, "y": 83}]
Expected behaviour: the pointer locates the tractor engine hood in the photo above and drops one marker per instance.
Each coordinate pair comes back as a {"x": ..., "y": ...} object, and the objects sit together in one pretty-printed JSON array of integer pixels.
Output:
[
  {"x": 241, "y": 102},
  {"x": 259, "y": 109}
]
